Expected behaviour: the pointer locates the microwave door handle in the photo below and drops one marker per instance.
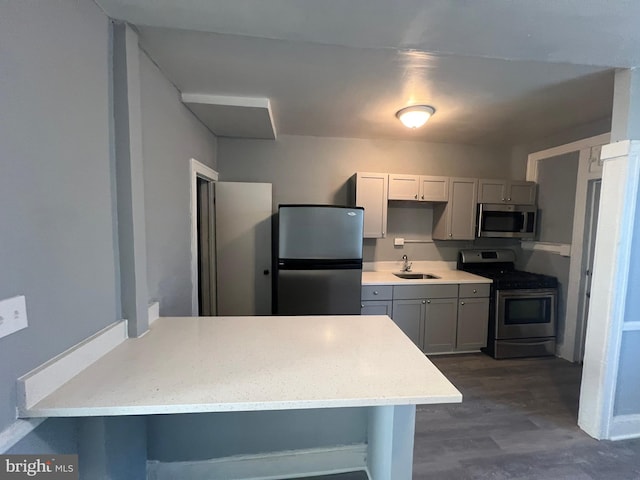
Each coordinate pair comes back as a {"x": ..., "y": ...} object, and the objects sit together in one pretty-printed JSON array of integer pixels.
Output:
[
  {"x": 479, "y": 220},
  {"x": 523, "y": 226}
]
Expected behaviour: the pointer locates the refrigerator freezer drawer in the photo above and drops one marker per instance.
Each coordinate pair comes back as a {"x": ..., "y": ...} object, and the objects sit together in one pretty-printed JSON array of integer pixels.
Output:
[{"x": 319, "y": 292}]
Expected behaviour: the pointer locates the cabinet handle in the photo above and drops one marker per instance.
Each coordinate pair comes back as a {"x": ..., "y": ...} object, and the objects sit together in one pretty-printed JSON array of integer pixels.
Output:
[
  {"x": 508, "y": 199},
  {"x": 428, "y": 301},
  {"x": 451, "y": 234},
  {"x": 362, "y": 305},
  {"x": 375, "y": 292},
  {"x": 416, "y": 197},
  {"x": 424, "y": 301},
  {"x": 461, "y": 303},
  {"x": 475, "y": 291},
  {"x": 503, "y": 199}
]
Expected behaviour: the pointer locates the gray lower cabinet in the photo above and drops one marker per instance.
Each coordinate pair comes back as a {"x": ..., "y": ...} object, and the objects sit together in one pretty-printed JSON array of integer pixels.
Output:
[
  {"x": 440, "y": 323},
  {"x": 376, "y": 307},
  {"x": 409, "y": 316},
  {"x": 473, "y": 316},
  {"x": 376, "y": 300}
]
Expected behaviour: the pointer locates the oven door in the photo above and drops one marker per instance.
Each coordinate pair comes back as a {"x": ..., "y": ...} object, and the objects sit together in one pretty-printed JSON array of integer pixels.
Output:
[{"x": 526, "y": 313}]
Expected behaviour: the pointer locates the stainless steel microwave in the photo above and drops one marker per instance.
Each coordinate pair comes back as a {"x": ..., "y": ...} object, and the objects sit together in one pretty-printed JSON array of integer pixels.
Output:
[{"x": 506, "y": 221}]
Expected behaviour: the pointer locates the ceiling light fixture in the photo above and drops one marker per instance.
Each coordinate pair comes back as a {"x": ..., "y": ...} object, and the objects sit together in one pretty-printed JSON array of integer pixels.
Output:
[{"x": 415, "y": 116}]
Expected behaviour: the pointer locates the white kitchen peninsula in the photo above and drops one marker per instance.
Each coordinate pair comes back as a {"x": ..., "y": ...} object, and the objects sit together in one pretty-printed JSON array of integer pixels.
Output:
[{"x": 224, "y": 364}]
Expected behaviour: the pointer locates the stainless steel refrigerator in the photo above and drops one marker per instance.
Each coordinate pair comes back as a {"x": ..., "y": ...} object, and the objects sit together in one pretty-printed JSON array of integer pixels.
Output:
[{"x": 318, "y": 260}]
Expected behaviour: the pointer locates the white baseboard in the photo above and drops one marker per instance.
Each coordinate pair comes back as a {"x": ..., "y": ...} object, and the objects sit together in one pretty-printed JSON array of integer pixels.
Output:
[
  {"x": 154, "y": 312},
  {"x": 624, "y": 427},
  {"x": 48, "y": 377},
  {"x": 267, "y": 466},
  {"x": 17, "y": 431}
]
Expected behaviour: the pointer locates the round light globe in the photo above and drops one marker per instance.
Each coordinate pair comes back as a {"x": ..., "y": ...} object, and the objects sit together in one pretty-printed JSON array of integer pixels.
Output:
[{"x": 415, "y": 116}]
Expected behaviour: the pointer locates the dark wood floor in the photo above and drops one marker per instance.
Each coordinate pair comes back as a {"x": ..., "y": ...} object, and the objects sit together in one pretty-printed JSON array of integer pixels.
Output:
[{"x": 518, "y": 421}]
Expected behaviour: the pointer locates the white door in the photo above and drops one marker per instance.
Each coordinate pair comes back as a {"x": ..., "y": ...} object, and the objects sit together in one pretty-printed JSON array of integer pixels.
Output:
[
  {"x": 243, "y": 248},
  {"x": 593, "y": 207}
]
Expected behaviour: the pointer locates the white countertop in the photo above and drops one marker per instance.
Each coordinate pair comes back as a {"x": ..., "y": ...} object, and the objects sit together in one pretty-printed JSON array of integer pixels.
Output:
[
  {"x": 446, "y": 277},
  {"x": 217, "y": 364}
]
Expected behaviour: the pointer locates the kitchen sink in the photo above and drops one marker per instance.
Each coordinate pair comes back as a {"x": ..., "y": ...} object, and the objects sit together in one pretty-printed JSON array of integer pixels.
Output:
[{"x": 415, "y": 276}]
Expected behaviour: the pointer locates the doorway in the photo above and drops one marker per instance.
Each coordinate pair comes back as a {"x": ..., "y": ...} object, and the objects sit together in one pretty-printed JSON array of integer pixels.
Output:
[
  {"x": 591, "y": 226},
  {"x": 206, "y": 233}
]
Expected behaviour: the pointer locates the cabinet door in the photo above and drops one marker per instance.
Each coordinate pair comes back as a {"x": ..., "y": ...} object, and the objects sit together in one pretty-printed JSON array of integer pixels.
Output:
[
  {"x": 462, "y": 208},
  {"x": 492, "y": 191},
  {"x": 376, "y": 307},
  {"x": 434, "y": 189},
  {"x": 440, "y": 325},
  {"x": 522, "y": 193},
  {"x": 473, "y": 320},
  {"x": 371, "y": 194},
  {"x": 408, "y": 315},
  {"x": 403, "y": 187}
]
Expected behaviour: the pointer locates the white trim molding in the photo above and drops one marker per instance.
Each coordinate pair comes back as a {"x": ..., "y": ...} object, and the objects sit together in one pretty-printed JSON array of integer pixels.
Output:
[
  {"x": 587, "y": 143},
  {"x": 48, "y": 377},
  {"x": 562, "y": 249},
  {"x": 624, "y": 427},
  {"x": 589, "y": 168},
  {"x": 265, "y": 466},
  {"x": 154, "y": 312},
  {"x": 631, "y": 326},
  {"x": 17, "y": 431},
  {"x": 619, "y": 195},
  {"x": 197, "y": 170}
]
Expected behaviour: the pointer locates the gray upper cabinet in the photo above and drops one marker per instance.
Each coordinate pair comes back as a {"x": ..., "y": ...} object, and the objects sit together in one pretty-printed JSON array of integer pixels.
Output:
[
  {"x": 404, "y": 187},
  {"x": 456, "y": 219},
  {"x": 371, "y": 194},
  {"x": 423, "y": 188},
  {"x": 512, "y": 192},
  {"x": 522, "y": 193},
  {"x": 434, "y": 189}
]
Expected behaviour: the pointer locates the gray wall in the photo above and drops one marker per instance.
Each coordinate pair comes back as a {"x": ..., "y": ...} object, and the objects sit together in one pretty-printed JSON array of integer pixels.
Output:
[
  {"x": 57, "y": 242},
  {"x": 557, "y": 178},
  {"x": 175, "y": 438},
  {"x": 320, "y": 170},
  {"x": 628, "y": 382},
  {"x": 171, "y": 136}
]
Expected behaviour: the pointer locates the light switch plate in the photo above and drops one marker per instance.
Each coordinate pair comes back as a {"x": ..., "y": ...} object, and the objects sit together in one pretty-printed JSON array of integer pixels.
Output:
[
  {"x": 13, "y": 315},
  {"x": 398, "y": 241}
]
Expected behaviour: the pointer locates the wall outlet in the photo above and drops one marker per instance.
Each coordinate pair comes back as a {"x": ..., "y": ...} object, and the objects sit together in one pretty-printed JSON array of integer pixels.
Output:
[
  {"x": 398, "y": 242},
  {"x": 13, "y": 315}
]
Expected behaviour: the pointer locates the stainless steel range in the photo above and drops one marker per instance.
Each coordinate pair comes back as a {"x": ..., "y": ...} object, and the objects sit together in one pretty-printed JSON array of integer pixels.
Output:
[{"x": 522, "y": 308}]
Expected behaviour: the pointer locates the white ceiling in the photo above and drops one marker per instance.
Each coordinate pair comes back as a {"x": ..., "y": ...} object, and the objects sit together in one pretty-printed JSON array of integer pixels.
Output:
[{"x": 336, "y": 68}]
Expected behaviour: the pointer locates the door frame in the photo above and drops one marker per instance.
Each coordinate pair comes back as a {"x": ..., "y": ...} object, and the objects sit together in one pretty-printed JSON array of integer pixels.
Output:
[
  {"x": 589, "y": 153},
  {"x": 196, "y": 170},
  {"x": 590, "y": 225}
]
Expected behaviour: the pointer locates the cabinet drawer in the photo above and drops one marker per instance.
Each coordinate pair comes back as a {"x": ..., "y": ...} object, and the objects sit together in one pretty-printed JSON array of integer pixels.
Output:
[
  {"x": 407, "y": 292},
  {"x": 469, "y": 290},
  {"x": 377, "y": 292}
]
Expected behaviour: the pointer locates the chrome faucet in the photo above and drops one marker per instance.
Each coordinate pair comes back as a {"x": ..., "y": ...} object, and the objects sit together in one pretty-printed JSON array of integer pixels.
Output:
[{"x": 406, "y": 265}]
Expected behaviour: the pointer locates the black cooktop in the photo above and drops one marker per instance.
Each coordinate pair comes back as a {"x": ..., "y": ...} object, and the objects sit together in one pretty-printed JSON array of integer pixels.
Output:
[{"x": 510, "y": 279}]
